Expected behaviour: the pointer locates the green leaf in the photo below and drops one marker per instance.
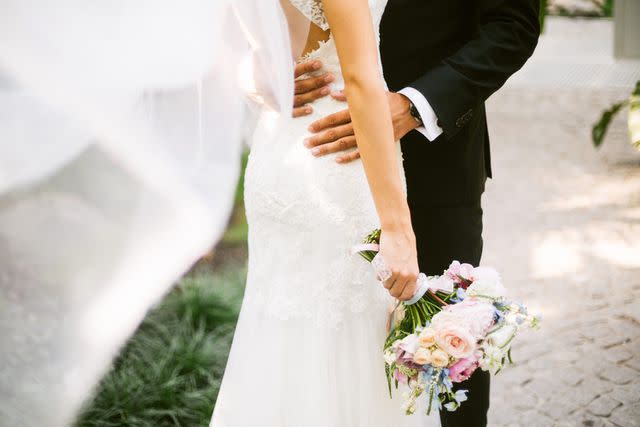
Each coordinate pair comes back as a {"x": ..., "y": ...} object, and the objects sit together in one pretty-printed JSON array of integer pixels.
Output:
[
  {"x": 543, "y": 13},
  {"x": 599, "y": 130}
]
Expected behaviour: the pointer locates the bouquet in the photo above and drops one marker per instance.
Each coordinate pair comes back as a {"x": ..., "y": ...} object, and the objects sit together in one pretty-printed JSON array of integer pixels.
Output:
[{"x": 456, "y": 323}]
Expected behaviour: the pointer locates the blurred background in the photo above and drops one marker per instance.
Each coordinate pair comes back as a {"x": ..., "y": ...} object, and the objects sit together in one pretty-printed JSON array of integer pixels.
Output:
[{"x": 562, "y": 224}]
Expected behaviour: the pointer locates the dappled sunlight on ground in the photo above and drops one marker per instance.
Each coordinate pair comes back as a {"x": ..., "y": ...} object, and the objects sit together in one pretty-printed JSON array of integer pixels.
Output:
[{"x": 562, "y": 223}]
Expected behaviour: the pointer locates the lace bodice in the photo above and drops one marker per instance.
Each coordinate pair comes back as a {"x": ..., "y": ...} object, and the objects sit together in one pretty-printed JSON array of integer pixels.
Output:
[
  {"x": 326, "y": 51},
  {"x": 313, "y": 10}
]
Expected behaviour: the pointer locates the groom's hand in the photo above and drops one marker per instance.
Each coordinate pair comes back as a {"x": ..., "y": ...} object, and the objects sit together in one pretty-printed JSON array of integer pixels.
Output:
[
  {"x": 334, "y": 133},
  {"x": 309, "y": 89}
]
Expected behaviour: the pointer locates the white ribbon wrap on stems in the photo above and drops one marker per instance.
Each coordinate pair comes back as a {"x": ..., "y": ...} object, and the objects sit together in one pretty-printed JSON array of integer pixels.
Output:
[{"x": 422, "y": 288}]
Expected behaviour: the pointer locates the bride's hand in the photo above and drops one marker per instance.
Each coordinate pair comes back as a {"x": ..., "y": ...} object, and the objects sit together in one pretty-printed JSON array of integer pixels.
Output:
[{"x": 398, "y": 248}]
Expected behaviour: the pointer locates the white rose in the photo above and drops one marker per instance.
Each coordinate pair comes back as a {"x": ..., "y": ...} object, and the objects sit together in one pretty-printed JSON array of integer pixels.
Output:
[
  {"x": 409, "y": 343},
  {"x": 486, "y": 282},
  {"x": 488, "y": 274}
]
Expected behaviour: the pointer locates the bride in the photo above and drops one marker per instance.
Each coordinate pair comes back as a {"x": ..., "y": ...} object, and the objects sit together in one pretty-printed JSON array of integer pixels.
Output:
[{"x": 307, "y": 348}]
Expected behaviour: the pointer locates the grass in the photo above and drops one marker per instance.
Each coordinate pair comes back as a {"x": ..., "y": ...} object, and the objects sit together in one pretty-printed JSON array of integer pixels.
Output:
[{"x": 169, "y": 373}]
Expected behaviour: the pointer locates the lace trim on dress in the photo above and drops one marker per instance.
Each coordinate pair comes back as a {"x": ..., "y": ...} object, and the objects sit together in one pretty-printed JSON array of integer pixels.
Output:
[{"x": 313, "y": 10}]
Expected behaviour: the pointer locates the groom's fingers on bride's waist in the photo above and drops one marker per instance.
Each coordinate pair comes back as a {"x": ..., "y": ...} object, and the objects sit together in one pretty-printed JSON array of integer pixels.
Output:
[
  {"x": 339, "y": 95},
  {"x": 305, "y": 110},
  {"x": 342, "y": 144},
  {"x": 348, "y": 157},
  {"x": 330, "y": 135},
  {"x": 331, "y": 121},
  {"x": 302, "y": 68},
  {"x": 308, "y": 97},
  {"x": 316, "y": 82}
]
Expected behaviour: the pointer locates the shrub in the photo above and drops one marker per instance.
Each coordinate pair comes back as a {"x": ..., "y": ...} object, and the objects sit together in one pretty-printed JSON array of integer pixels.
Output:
[{"x": 169, "y": 372}]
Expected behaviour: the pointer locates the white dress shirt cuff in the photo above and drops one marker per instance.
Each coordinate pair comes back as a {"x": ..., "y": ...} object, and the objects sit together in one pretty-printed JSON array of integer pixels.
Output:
[{"x": 430, "y": 128}]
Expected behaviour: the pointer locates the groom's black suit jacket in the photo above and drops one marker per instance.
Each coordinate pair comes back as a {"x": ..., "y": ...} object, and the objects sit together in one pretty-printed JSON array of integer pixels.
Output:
[{"x": 456, "y": 53}]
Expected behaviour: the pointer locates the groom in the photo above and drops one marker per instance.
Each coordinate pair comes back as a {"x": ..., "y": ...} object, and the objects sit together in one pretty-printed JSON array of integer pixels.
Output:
[{"x": 442, "y": 59}]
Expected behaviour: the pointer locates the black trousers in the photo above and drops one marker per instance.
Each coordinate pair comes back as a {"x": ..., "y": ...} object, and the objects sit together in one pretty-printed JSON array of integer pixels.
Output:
[{"x": 444, "y": 234}]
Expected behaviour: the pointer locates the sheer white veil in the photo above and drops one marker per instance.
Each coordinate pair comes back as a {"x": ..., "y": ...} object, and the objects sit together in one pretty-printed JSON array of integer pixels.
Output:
[{"x": 120, "y": 132}]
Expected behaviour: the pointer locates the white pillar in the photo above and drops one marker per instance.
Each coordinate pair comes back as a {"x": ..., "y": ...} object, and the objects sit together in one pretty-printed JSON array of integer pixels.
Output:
[{"x": 627, "y": 28}]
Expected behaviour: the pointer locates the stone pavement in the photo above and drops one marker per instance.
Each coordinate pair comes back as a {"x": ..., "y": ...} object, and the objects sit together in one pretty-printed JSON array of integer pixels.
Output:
[{"x": 562, "y": 222}]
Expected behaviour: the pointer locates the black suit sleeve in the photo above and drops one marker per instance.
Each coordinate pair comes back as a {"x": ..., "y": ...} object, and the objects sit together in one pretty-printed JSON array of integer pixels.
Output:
[{"x": 507, "y": 34}]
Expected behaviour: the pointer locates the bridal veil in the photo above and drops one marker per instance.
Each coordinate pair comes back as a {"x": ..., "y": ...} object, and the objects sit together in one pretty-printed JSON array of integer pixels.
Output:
[{"x": 120, "y": 135}]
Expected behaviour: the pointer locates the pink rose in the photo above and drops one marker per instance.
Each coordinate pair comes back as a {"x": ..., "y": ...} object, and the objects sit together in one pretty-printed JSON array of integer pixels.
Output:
[
  {"x": 460, "y": 273},
  {"x": 455, "y": 340},
  {"x": 476, "y": 316},
  {"x": 463, "y": 368}
]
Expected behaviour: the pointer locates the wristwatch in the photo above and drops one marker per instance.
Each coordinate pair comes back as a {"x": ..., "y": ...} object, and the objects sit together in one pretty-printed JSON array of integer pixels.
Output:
[{"x": 415, "y": 113}]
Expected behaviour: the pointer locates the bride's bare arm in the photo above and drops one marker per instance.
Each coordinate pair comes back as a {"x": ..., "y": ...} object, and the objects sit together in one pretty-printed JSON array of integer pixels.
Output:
[{"x": 352, "y": 29}]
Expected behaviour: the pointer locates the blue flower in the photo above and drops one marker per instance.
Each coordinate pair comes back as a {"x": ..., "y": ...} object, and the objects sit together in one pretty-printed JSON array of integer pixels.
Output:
[
  {"x": 428, "y": 371},
  {"x": 460, "y": 296}
]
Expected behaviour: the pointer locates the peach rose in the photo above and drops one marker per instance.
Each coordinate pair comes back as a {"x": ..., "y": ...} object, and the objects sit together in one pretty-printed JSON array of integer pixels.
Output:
[
  {"x": 422, "y": 356},
  {"x": 456, "y": 341},
  {"x": 427, "y": 338},
  {"x": 439, "y": 358}
]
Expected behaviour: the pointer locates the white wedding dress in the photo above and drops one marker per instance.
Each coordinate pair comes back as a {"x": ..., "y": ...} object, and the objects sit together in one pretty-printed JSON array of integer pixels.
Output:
[{"x": 307, "y": 350}]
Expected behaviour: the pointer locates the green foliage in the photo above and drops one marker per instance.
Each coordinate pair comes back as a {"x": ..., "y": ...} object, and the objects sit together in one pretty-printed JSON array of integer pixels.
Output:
[
  {"x": 544, "y": 5},
  {"x": 238, "y": 231},
  {"x": 607, "y": 8},
  {"x": 601, "y": 9},
  {"x": 599, "y": 130},
  {"x": 169, "y": 373},
  {"x": 240, "y": 187}
]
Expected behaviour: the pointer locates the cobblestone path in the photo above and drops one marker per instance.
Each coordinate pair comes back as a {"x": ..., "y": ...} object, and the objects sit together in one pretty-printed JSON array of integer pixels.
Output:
[{"x": 562, "y": 222}]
